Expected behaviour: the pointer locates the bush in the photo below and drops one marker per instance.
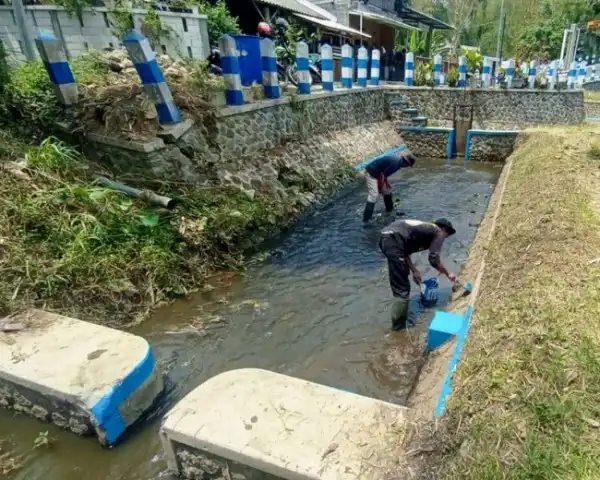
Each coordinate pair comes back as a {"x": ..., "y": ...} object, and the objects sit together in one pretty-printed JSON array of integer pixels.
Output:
[
  {"x": 423, "y": 74},
  {"x": 452, "y": 77},
  {"x": 220, "y": 21}
]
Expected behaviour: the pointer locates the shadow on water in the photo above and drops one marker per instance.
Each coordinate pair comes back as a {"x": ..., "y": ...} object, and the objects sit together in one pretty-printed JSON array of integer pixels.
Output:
[{"x": 316, "y": 308}]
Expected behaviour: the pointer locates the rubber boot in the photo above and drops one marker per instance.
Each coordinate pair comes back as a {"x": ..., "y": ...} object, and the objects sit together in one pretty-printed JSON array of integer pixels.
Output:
[
  {"x": 388, "y": 202},
  {"x": 399, "y": 314},
  {"x": 369, "y": 208}
]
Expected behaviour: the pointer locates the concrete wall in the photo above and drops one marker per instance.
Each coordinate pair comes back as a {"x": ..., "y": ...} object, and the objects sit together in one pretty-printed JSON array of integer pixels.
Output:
[
  {"x": 95, "y": 30},
  {"x": 496, "y": 109},
  {"x": 592, "y": 109}
]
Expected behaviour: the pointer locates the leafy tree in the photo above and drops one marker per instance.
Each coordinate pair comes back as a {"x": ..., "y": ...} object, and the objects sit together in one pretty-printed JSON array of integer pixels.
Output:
[{"x": 220, "y": 21}]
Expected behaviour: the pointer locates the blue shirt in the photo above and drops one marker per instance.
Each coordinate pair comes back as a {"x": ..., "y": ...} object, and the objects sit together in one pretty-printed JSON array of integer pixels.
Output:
[{"x": 386, "y": 166}]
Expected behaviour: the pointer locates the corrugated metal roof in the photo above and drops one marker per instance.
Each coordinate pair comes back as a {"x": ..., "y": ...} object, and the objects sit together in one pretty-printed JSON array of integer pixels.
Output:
[
  {"x": 336, "y": 27},
  {"x": 294, "y": 6}
]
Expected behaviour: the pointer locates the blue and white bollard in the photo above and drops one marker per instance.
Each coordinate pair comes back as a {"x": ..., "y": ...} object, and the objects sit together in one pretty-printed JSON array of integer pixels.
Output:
[
  {"x": 327, "y": 67},
  {"x": 144, "y": 60},
  {"x": 230, "y": 64},
  {"x": 582, "y": 74},
  {"x": 268, "y": 60},
  {"x": 510, "y": 73},
  {"x": 486, "y": 74},
  {"x": 532, "y": 73},
  {"x": 572, "y": 79},
  {"x": 437, "y": 69},
  {"x": 462, "y": 72},
  {"x": 58, "y": 68},
  {"x": 375, "y": 66},
  {"x": 303, "y": 64},
  {"x": 409, "y": 70},
  {"x": 362, "y": 66},
  {"x": 553, "y": 74},
  {"x": 347, "y": 67}
]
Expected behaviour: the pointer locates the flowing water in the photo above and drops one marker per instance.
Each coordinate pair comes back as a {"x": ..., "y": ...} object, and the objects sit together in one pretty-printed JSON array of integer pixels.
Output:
[{"x": 317, "y": 307}]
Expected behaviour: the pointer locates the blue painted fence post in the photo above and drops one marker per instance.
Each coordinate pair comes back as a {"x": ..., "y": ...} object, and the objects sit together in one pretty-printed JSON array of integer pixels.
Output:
[
  {"x": 510, "y": 73},
  {"x": 58, "y": 68},
  {"x": 362, "y": 67},
  {"x": 268, "y": 61},
  {"x": 347, "y": 66},
  {"x": 581, "y": 76},
  {"x": 437, "y": 69},
  {"x": 572, "y": 76},
  {"x": 553, "y": 74},
  {"x": 327, "y": 67},
  {"x": 144, "y": 60},
  {"x": 409, "y": 70},
  {"x": 532, "y": 73},
  {"x": 302, "y": 64},
  {"x": 230, "y": 64},
  {"x": 486, "y": 74},
  {"x": 375, "y": 66},
  {"x": 462, "y": 72}
]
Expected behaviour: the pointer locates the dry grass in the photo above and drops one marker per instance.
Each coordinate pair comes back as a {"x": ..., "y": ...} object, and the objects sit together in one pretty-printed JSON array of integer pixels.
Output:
[
  {"x": 591, "y": 96},
  {"x": 526, "y": 401}
]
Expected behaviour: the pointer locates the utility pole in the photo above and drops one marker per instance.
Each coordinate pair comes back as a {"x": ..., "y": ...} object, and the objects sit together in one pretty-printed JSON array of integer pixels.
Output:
[
  {"x": 500, "y": 35},
  {"x": 21, "y": 19}
]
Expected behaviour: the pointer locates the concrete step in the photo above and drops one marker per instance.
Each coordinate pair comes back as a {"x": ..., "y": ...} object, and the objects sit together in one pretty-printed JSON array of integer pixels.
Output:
[
  {"x": 257, "y": 422},
  {"x": 82, "y": 377},
  {"x": 419, "y": 121},
  {"x": 411, "y": 112}
]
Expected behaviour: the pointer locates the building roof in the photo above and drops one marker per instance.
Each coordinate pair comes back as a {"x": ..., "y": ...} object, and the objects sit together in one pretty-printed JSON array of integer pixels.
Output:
[
  {"x": 296, "y": 7},
  {"x": 336, "y": 27},
  {"x": 386, "y": 19},
  {"x": 414, "y": 17}
]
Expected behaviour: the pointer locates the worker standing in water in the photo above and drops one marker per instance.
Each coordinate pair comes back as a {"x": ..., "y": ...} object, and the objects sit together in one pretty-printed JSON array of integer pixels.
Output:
[
  {"x": 399, "y": 240},
  {"x": 376, "y": 176}
]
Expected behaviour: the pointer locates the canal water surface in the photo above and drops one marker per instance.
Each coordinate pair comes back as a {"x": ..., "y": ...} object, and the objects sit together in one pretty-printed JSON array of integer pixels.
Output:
[{"x": 315, "y": 306}]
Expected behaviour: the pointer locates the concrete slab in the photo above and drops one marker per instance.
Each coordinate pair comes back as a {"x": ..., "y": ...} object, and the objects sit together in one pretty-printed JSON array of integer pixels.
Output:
[
  {"x": 252, "y": 423},
  {"x": 83, "y": 377},
  {"x": 443, "y": 327}
]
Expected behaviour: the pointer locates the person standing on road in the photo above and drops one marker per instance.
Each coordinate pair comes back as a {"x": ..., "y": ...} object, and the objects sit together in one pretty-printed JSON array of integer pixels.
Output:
[
  {"x": 399, "y": 240},
  {"x": 376, "y": 176}
]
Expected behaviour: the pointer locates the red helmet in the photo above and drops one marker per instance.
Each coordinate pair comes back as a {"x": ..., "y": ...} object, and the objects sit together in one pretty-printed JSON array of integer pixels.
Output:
[{"x": 264, "y": 29}]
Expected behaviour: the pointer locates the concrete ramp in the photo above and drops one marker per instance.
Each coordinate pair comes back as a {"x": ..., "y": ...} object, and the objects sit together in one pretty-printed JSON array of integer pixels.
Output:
[
  {"x": 252, "y": 423},
  {"x": 80, "y": 376}
]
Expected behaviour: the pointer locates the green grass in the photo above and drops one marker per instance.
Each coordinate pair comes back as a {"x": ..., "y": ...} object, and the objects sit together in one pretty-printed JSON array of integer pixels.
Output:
[
  {"x": 72, "y": 246},
  {"x": 526, "y": 401}
]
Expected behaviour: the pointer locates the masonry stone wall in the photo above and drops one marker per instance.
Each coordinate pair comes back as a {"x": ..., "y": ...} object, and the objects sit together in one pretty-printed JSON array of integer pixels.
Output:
[
  {"x": 592, "y": 109},
  {"x": 495, "y": 109},
  {"x": 592, "y": 86},
  {"x": 426, "y": 144},
  {"x": 188, "y": 35},
  {"x": 485, "y": 148}
]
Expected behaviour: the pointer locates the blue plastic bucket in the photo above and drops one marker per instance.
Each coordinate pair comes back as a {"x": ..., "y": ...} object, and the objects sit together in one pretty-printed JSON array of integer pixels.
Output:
[
  {"x": 250, "y": 65},
  {"x": 429, "y": 294}
]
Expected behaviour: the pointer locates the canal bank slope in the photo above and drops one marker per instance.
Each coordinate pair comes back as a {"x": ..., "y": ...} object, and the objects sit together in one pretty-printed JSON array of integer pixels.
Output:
[{"x": 525, "y": 394}]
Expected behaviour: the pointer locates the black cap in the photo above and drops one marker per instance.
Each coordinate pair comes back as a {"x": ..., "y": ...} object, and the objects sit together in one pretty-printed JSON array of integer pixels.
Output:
[
  {"x": 446, "y": 225},
  {"x": 409, "y": 158}
]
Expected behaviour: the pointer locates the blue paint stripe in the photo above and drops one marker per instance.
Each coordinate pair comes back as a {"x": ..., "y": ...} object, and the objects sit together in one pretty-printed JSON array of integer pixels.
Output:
[
  {"x": 409, "y": 81},
  {"x": 450, "y": 147},
  {"x": 410, "y": 65},
  {"x": 511, "y": 71},
  {"x": 106, "y": 410},
  {"x": 272, "y": 91},
  {"x": 532, "y": 72},
  {"x": 391, "y": 152},
  {"x": 460, "y": 342},
  {"x": 347, "y": 82},
  {"x": 268, "y": 64},
  {"x": 362, "y": 63},
  {"x": 347, "y": 62},
  {"x": 462, "y": 83},
  {"x": 487, "y": 69},
  {"x": 302, "y": 63},
  {"x": 150, "y": 72},
  {"x": 572, "y": 73},
  {"x": 406, "y": 128},
  {"x": 375, "y": 63},
  {"x": 234, "y": 97},
  {"x": 437, "y": 68},
  {"x": 328, "y": 86},
  {"x": 230, "y": 65},
  {"x": 167, "y": 113},
  {"x": 468, "y": 145},
  {"x": 327, "y": 64},
  {"x": 304, "y": 88},
  {"x": 60, "y": 73},
  {"x": 362, "y": 82},
  {"x": 494, "y": 133},
  {"x": 374, "y": 80},
  {"x": 462, "y": 69}
]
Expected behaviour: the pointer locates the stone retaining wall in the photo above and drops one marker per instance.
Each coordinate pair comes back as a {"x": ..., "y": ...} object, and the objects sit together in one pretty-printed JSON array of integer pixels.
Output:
[
  {"x": 428, "y": 142},
  {"x": 491, "y": 148},
  {"x": 496, "y": 109},
  {"x": 592, "y": 109}
]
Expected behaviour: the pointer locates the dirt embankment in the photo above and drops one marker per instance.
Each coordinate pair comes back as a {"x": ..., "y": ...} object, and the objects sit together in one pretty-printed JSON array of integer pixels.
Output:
[{"x": 525, "y": 400}]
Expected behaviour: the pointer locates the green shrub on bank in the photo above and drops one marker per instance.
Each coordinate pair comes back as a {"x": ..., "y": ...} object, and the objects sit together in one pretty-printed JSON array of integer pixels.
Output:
[{"x": 70, "y": 245}]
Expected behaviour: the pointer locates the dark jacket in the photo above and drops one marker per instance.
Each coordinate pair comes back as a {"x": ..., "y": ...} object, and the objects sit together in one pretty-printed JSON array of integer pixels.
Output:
[
  {"x": 417, "y": 236},
  {"x": 387, "y": 165}
]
